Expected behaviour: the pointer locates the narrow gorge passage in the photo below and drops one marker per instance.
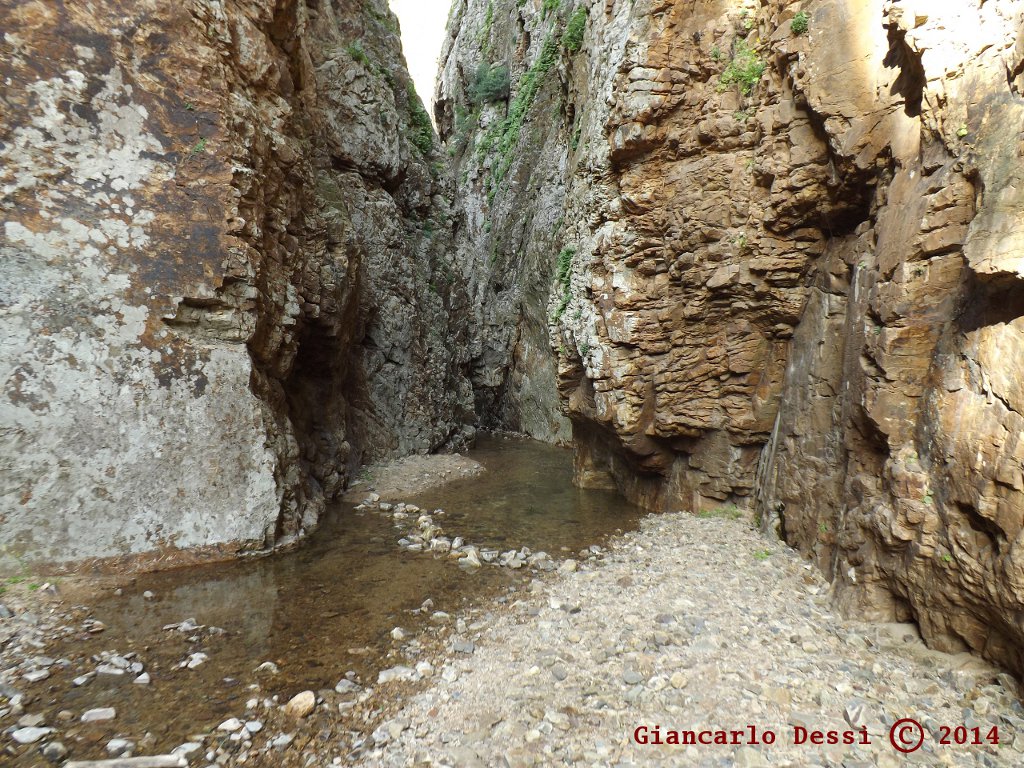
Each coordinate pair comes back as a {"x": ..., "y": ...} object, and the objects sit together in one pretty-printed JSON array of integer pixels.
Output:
[{"x": 648, "y": 383}]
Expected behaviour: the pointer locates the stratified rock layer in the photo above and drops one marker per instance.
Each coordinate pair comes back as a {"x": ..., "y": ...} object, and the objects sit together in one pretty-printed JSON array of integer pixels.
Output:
[
  {"x": 787, "y": 273},
  {"x": 224, "y": 272}
]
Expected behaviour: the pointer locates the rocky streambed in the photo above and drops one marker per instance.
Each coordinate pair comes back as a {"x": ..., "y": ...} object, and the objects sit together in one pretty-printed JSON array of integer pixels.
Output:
[
  {"x": 702, "y": 625},
  {"x": 218, "y": 664},
  {"x": 420, "y": 631}
]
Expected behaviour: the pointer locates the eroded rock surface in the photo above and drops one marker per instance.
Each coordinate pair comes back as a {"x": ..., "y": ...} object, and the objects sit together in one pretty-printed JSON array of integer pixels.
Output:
[
  {"x": 225, "y": 272},
  {"x": 786, "y": 272}
]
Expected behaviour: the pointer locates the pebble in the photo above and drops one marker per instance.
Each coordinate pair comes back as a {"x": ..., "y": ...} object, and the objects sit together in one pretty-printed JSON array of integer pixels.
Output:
[
  {"x": 142, "y": 679},
  {"x": 119, "y": 747},
  {"x": 194, "y": 660},
  {"x": 54, "y": 751},
  {"x": 231, "y": 724},
  {"x": 631, "y": 677},
  {"x": 30, "y": 735},
  {"x": 347, "y": 686},
  {"x": 301, "y": 704},
  {"x": 396, "y": 673},
  {"x": 98, "y": 715},
  {"x": 679, "y": 624},
  {"x": 36, "y": 675}
]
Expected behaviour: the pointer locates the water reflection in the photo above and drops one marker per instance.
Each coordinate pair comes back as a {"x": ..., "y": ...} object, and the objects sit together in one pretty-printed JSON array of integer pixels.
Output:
[{"x": 330, "y": 606}]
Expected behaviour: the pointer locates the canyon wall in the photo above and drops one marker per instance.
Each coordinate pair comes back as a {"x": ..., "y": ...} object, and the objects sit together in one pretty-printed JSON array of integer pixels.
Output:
[
  {"x": 226, "y": 273},
  {"x": 782, "y": 250}
]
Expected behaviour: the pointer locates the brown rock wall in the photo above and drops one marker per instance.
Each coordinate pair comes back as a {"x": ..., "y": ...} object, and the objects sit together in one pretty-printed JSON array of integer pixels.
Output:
[{"x": 805, "y": 298}]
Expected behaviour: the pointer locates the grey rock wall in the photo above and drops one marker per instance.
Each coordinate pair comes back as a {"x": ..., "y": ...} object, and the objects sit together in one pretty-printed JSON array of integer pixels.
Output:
[{"x": 226, "y": 275}]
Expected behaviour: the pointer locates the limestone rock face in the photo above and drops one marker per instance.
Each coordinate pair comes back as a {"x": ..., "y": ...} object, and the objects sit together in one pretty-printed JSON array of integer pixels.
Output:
[
  {"x": 786, "y": 273},
  {"x": 511, "y": 165},
  {"x": 226, "y": 272}
]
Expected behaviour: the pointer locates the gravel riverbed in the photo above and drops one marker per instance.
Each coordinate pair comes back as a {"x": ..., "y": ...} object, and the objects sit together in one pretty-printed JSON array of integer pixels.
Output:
[
  {"x": 690, "y": 624},
  {"x": 695, "y": 624}
]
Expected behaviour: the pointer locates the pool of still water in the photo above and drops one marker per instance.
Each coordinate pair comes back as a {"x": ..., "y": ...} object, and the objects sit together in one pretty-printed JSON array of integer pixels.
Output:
[{"x": 328, "y": 607}]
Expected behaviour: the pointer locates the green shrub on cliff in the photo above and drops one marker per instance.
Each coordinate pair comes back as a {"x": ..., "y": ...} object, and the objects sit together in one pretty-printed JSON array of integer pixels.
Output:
[
  {"x": 799, "y": 24},
  {"x": 744, "y": 70},
  {"x": 563, "y": 277},
  {"x": 490, "y": 84},
  {"x": 505, "y": 137},
  {"x": 355, "y": 50},
  {"x": 420, "y": 127},
  {"x": 572, "y": 40}
]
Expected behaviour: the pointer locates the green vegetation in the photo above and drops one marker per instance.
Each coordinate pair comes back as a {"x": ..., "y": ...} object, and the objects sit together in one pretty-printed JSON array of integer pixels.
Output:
[
  {"x": 716, "y": 54},
  {"x": 822, "y": 527},
  {"x": 762, "y": 554},
  {"x": 564, "y": 275},
  {"x": 550, "y": 6},
  {"x": 491, "y": 83},
  {"x": 575, "y": 141},
  {"x": 727, "y": 512},
  {"x": 572, "y": 40},
  {"x": 947, "y": 558},
  {"x": 419, "y": 124},
  {"x": 12, "y": 580},
  {"x": 505, "y": 136},
  {"x": 199, "y": 147},
  {"x": 799, "y": 24},
  {"x": 744, "y": 70},
  {"x": 465, "y": 123},
  {"x": 485, "y": 33},
  {"x": 962, "y": 131},
  {"x": 386, "y": 20},
  {"x": 355, "y": 50}
]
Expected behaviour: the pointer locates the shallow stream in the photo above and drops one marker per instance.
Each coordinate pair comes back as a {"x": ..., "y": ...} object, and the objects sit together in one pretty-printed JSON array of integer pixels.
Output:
[{"x": 322, "y": 610}]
